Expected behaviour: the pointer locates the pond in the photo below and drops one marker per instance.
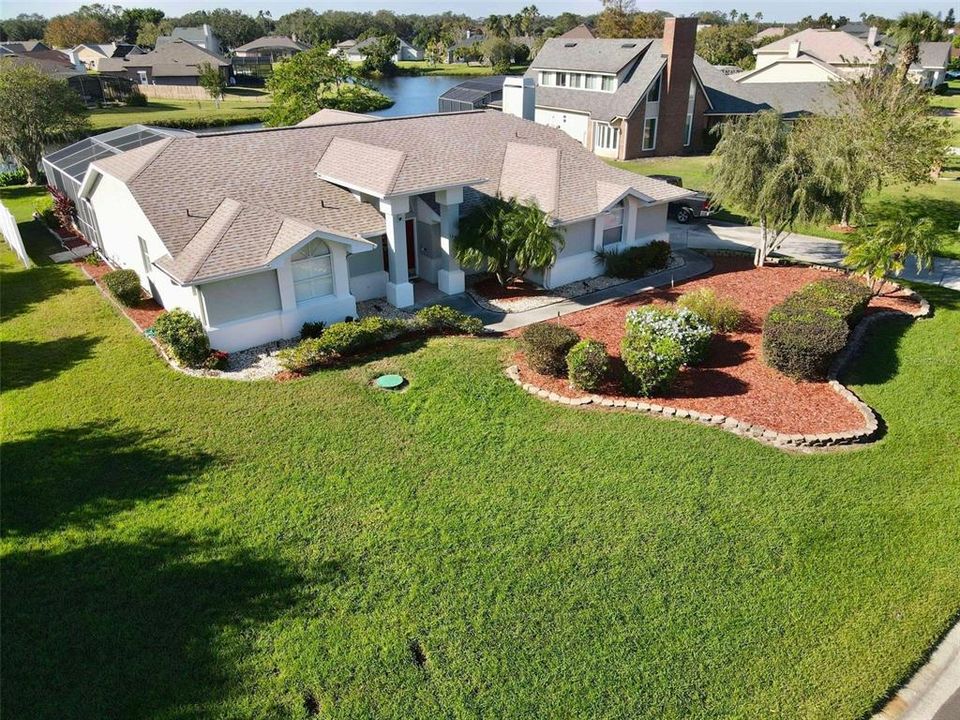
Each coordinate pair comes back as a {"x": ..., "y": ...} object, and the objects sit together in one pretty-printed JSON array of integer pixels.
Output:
[{"x": 414, "y": 94}]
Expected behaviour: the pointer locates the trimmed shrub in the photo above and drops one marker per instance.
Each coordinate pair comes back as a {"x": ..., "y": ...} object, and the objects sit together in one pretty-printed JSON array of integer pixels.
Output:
[
  {"x": 136, "y": 99},
  {"x": 652, "y": 362},
  {"x": 440, "y": 318},
  {"x": 183, "y": 336},
  {"x": 848, "y": 297},
  {"x": 721, "y": 314},
  {"x": 587, "y": 363},
  {"x": 546, "y": 346},
  {"x": 124, "y": 285},
  {"x": 800, "y": 337},
  {"x": 689, "y": 330},
  {"x": 13, "y": 177},
  {"x": 342, "y": 338},
  {"x": 637, "y": 261},
  {"x": 312, "y": 329}
]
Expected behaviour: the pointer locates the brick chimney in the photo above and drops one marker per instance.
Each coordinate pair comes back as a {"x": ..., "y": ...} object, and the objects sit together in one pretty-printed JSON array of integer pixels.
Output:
[{"x": 679, "y": 40}]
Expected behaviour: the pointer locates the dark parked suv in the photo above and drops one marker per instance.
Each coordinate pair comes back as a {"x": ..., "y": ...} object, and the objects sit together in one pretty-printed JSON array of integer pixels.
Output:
[{"x": 696, "y": 206}]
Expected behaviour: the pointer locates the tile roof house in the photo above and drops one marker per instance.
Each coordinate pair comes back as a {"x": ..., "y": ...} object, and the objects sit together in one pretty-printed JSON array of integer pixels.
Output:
[
  {"x": 297, "y": 224},
  {"x": 276, "y": 47},
  {"x": 178, "y": 62}
]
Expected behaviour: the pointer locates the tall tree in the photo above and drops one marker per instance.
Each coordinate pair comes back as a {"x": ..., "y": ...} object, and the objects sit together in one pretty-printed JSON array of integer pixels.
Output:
[
  {"x": 312, "y": 80},
  {"x": 148, "y": 32},
  {"x": 133, "y": 20},
  {"x": 759, "y": 169},
  {"x": 35, "y": 110},
  {"x": 25, "y": 26},
  {"x": 213, "y": 81},
  {"x": 66, "y": 31},
  {"x": 909, "y": 31},
  {"x": 296, "y": 23},
  {"x": 647, "y": 24},
  {"x": 616, "y": 20},
  {"x": 725, "y": 44}
]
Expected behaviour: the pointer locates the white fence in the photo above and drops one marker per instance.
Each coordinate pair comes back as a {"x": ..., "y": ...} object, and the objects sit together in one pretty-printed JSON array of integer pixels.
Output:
[{"x": 10, "y": 231}]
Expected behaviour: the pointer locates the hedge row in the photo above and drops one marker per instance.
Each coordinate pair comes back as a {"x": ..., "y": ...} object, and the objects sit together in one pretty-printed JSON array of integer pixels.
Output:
[
  {"x": 637, "y": 261},
  {"x": 803, "y": 334}
]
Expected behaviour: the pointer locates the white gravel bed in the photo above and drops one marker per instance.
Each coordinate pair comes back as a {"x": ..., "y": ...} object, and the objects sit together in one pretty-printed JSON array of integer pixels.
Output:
[
  {"x": 381, "y": 307},
  {"x": 564, "y": 292}
]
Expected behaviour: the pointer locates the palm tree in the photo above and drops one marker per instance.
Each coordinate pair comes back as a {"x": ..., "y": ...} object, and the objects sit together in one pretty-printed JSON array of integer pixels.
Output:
[
  {"x": 885, "y": 247},
  {"x": 495, "y": 26},
  {"x": 909, "y": 31}
]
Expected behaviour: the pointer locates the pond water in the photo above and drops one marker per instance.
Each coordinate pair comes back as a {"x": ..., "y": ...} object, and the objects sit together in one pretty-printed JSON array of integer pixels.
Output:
[{"x": 411, "y": 95}]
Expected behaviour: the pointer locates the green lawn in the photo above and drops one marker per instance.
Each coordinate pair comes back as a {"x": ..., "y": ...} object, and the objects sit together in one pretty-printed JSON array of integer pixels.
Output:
[
  {"x": 938, "y": 200},
  {"x": 951, "y": 99},
  {"x": 423, "y": 67},
  {"x": 236, "y": 108},
  {"x": 184, "y": 547}
]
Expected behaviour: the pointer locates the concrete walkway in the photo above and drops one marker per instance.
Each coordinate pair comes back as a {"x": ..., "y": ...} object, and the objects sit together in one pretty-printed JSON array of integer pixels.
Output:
[
  {"x": 714, "y": 235},
  {"x": 694, "y": 264},
  {"x": 933, "y": 693}
]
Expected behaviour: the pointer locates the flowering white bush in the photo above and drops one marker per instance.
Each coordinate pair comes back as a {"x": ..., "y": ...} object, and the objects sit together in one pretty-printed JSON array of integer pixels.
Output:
[{"x": 690, "y": 331}]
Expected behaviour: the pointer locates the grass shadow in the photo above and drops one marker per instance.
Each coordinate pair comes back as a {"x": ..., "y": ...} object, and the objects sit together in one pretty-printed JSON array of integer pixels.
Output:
[
  {"x": 151, "y": 628},
  {"x": 56, "y": 476},
  {"x": 25, "y": 362},
  {"x": 23, "y": 289}
]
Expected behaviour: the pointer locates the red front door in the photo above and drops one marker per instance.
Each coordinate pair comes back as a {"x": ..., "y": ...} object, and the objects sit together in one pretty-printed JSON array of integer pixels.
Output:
[{"x": 412, "y": 248}]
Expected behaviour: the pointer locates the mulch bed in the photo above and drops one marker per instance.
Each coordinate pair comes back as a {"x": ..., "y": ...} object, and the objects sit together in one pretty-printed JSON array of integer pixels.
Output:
[
  {"x": 144, "y": 315},
  {"x": 513, "y": 290},
  {"x": 733, "y": 380}
]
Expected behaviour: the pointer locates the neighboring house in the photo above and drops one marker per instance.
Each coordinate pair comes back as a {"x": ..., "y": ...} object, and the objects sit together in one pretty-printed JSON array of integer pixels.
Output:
[
  {"x": 49, "y": 62},
  {"x": 23, "y": 46},
  {"x": 202, "y": 36},
  {"x": 634, "y": 97},
  {"x": 275, "y": 47},
  {"x": 297, "y": 224},
  {"x": 357, "y": 53},
  {"x": 343, "y": 47},
  {"x": 815, "y": 55},
  {"x": 91, "y": 54},
  {"x": 178, "y": 62},
  {"x": 930, "y": 69},
  {"x": 580, "y": 32}
]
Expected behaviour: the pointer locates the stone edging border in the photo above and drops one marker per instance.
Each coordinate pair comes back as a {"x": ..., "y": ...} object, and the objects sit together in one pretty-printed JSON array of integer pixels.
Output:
[{"x": 783, "y": 441}]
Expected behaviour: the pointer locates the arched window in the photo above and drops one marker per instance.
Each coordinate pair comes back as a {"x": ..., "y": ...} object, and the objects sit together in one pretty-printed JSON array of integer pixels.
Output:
[{"x": 312, "y": 271}]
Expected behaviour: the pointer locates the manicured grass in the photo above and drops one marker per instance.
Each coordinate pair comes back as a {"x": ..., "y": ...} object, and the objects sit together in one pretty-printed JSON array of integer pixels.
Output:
[
  {"x": 939, "y": 200},
  {"x": 951, "y": 99},
  {"x": 184, "y": 547},
  {"x": 182, "y": 113},
  {"x": 423, "y": 67}
]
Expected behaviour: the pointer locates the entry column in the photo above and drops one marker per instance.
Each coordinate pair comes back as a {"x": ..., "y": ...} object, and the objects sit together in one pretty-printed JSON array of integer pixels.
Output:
[
  {"x": 399, "y": 289},
  {"x": 450, "y": 277}
]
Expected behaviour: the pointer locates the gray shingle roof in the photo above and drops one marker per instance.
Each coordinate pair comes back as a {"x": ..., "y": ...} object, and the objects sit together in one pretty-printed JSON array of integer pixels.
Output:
[
  {"x": 933, "y": 55},
  {"x": 270, "y": 175},
  {"x": 599, "y": 105},
  {"x": 596, "y": 55},
  {"x": 178, "y": 58}
]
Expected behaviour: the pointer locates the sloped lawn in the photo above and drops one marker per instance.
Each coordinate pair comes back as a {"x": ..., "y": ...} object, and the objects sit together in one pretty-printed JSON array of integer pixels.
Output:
[{"x": 181, "y": 547}]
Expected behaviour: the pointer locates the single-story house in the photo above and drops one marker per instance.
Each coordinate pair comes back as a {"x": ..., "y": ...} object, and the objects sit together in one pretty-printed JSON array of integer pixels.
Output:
[
  {"x": 930, "y": 69},
  {"x": 356, "y": 52},
  {"x": 297, "y": 224},
  {"x": 815, "y": 55},
  {"x": 23, "y": 46},
  {"x": 90, "y": 54},
  {"x": 201, "y": 35},
  {"x": 275, "y": 47},
  {"x": 342, "y": 46},
  {"x": 178, "y": 62},
  {"x": 768, "y": 34}
]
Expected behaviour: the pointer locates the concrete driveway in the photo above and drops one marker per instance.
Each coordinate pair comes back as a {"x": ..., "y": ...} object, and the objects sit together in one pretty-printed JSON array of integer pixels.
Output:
[{"x": 715, "y": 235}]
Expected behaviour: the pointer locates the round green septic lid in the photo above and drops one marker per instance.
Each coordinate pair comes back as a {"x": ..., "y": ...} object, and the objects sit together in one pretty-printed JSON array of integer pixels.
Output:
[{"x": 389, "y": 382}]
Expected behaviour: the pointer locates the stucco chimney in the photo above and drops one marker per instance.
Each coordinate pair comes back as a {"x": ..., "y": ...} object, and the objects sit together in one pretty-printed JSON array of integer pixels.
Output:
[
  {"x": 872, "y": 36},
  {"x": 794, "y": 49},
  {"x": 518, "y": 96}
]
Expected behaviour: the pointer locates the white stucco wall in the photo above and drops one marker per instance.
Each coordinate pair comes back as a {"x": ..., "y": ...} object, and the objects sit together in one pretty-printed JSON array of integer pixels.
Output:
[
  {"x": 573, "y": 124},
  {"x": 121, "y": 222}
]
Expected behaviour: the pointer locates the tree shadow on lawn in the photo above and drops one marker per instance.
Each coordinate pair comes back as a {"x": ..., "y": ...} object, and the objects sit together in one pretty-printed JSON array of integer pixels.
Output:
[
  {"x": 26, "y": 363},
  {"x": 64, "y": 476},
  {"x": 151, "y": 628},
  {"x": 23, "y": 289}
]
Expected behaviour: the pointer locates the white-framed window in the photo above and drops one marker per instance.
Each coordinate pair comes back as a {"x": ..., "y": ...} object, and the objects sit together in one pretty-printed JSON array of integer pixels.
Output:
[
  {"x": 312, "y": 271},
  {"x": 591, "y": 82},
  {"x": 653, "y": 95},
  {"x": 613, "y": 226},
  {"x": 691, "y": 103},
  {"x": 548, "y": 78},
  {"x": 608, "y": 83},
  {"x": 144, "y": 254},
  {"x": 649, "y": 133},
  {"x": 606, "y": 137},
  {"x": 575, "y": 80},
  {"x": 142, "y": 76}
]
